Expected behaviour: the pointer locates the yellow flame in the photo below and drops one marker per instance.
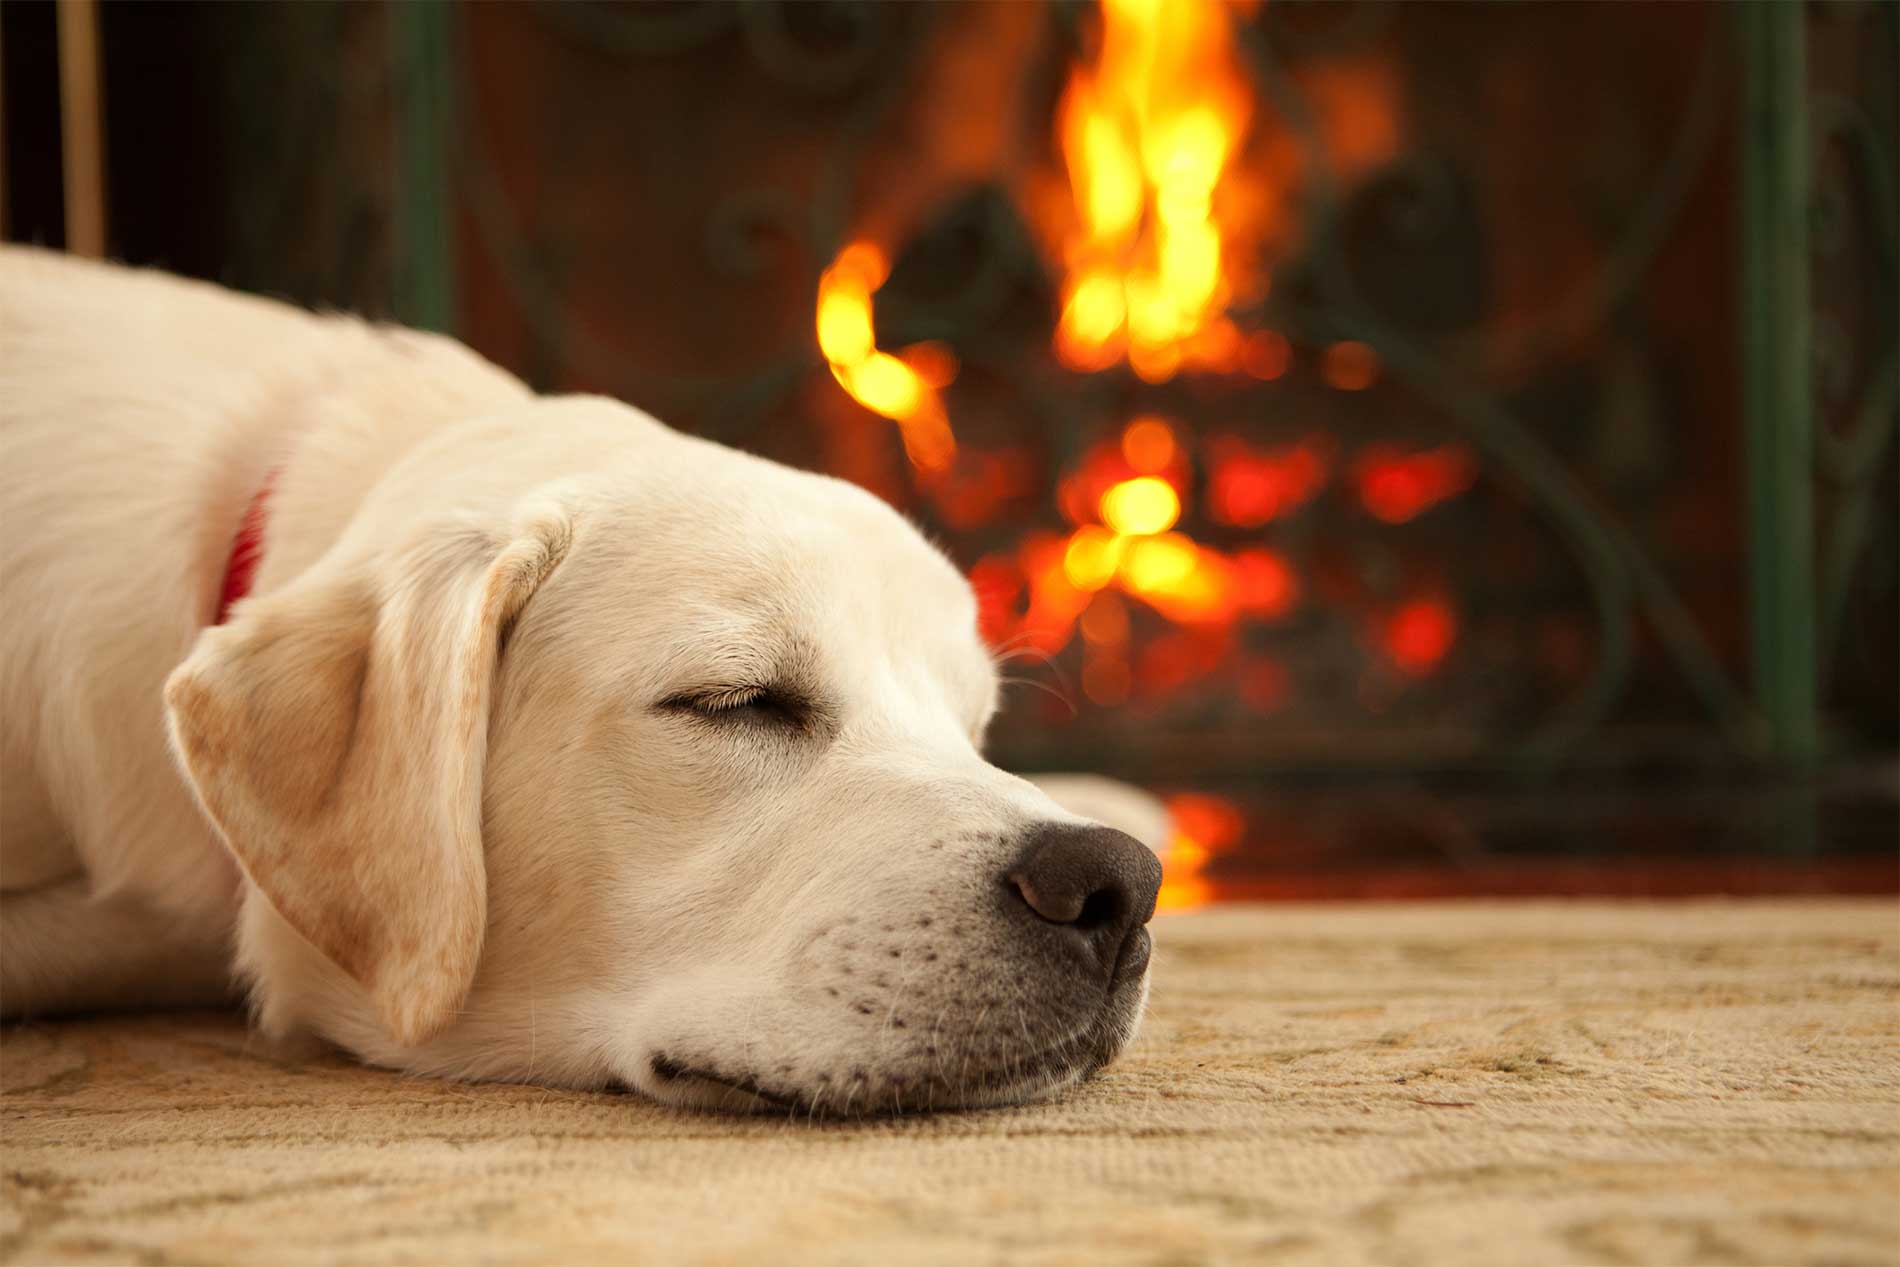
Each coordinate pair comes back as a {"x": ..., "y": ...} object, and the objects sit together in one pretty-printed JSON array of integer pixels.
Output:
[
  {"x": 1156, "y": 565},
  {"x": 1185, "y": 894},
  {"x": 1147, "y": 133},
  {"x": 883, "y": 383},
  {"x": 1110, "y": 188},
  {"x": 844, "y": 327},
  {"x": 1092, "y": 557},
  {"x": 1142, "y": 505}
]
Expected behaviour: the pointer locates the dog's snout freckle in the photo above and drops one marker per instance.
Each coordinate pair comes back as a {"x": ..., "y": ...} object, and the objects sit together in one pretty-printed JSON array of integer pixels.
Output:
[{"x": 1012, "y": 998}]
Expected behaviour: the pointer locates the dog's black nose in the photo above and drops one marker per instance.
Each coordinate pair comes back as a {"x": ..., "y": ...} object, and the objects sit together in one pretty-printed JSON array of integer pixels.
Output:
[{"x": 1096, "y": 881}]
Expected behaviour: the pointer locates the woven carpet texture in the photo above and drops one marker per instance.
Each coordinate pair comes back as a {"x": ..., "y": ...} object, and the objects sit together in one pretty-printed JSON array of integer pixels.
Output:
[{"x": 1495, "y": 1083}]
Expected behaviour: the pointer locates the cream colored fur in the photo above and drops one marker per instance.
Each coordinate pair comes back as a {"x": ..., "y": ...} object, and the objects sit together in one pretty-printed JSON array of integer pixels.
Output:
[{"x": 430, "y": 790}]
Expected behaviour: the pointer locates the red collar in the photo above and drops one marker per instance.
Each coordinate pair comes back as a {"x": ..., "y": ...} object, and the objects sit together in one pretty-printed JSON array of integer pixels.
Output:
[{"x": 247, "y": 551}]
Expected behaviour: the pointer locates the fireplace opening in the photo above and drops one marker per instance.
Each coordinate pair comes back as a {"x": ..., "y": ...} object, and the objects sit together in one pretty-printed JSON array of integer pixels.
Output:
[{"x": 1367, "y": 425}]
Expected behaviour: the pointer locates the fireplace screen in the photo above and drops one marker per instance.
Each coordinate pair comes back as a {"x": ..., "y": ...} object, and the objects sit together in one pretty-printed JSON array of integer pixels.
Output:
[{"x": 1319, "y": 396}]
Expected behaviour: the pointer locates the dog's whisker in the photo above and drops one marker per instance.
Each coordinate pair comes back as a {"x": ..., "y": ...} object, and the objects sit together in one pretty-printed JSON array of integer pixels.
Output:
[
  {"x": 1015, "y": 641},
  {"x": 1043, "y": 659},
  {"x": 1022, "y": 643}
]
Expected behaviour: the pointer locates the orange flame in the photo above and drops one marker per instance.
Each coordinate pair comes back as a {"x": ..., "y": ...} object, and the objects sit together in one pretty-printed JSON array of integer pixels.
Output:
[
  {"x": 1146, "y": 504},
  {"x": 901, "y": 388},
  {"x": 1126, "y": 499},
  {"x": 1203, "y": 826},
  {"x": 1147, "y": 134}
]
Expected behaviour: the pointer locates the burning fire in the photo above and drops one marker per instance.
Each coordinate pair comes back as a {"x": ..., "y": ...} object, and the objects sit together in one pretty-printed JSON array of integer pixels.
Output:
[
  {"x": 902, "y": 388},
  {"x": 1203, "y": 827},
  {"x": 1127, "y": 499},
  {"x": 1147, "y": 133},
  {"x": 1157, "y": 230}
]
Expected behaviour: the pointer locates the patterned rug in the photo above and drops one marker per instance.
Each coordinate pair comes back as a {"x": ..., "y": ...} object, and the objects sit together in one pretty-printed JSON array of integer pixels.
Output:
[{"x": 1510, "y": 1082}]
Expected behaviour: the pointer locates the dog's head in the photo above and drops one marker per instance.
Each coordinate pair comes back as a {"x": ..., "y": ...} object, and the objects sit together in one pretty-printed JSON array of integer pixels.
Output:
[{"x": 665, "y": 774}]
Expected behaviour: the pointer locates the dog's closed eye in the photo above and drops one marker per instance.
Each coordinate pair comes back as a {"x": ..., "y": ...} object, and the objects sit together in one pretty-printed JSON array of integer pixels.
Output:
[{"x": 745, "y": 705}]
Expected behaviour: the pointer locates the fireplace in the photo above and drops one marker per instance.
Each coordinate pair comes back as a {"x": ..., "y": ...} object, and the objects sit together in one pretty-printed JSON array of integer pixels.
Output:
[{"x": 1342, "y": 410}]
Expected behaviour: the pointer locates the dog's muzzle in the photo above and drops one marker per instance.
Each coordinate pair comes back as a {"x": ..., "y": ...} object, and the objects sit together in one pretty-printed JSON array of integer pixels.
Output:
[{"x": 1029, "y": 979}]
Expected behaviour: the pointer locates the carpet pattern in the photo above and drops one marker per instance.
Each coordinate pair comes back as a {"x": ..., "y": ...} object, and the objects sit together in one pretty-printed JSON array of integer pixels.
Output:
[{"x": 1514, "y": 1082}]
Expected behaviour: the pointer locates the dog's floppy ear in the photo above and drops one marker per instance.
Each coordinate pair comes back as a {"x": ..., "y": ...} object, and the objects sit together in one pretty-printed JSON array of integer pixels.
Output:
[{"x": 336, "y": 731}]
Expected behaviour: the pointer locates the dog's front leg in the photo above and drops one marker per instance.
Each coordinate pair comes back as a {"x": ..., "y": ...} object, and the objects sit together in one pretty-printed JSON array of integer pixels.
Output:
[{"x": 61, "y": 950}]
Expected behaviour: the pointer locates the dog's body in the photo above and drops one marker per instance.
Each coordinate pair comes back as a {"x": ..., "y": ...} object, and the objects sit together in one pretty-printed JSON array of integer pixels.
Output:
[
  {"x": 549, "y": 744},
  {"x": 139, "y": 415}
]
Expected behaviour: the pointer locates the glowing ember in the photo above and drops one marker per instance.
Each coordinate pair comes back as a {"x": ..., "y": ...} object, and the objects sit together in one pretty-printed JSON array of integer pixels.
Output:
[
  {"x": 1148, "y": 444},
  {"x": 1179, "y": 658},
  {"x": 1161, "y": 233},
  {"x": 1265, "y": 584},
  {"x": 901, "y": 388},
  {"x": 1134, "y": 550},
  {"x": 1398, "y": 487},
  {"x": 1147, "y": 133},
  {"x": 1350, "y": 367},
  {"x": 1266, "y": 355},
  {"x": 1418, "y": 635},
  {"x": 1250, "y": 487}
]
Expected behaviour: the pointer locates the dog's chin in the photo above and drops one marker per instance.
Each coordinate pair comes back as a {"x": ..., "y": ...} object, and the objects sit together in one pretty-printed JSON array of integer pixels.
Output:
[{"x": 707, "y": 1081}]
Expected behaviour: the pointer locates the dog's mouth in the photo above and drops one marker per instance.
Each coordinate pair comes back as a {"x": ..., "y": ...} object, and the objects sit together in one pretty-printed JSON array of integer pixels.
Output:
[
  {"x": 863, "y": 1094},
  {"x": 745, "y": 1093},
  {"x": 706, "y": 1083}
]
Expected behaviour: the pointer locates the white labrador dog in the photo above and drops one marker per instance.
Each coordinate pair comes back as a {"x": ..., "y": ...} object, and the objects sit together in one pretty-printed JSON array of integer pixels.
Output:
[{"x": 548, "y": 744}]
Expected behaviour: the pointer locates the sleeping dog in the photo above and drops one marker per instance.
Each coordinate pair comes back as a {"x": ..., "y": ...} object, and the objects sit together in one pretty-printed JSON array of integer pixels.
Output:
[{"x": 490, "y": 735}]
